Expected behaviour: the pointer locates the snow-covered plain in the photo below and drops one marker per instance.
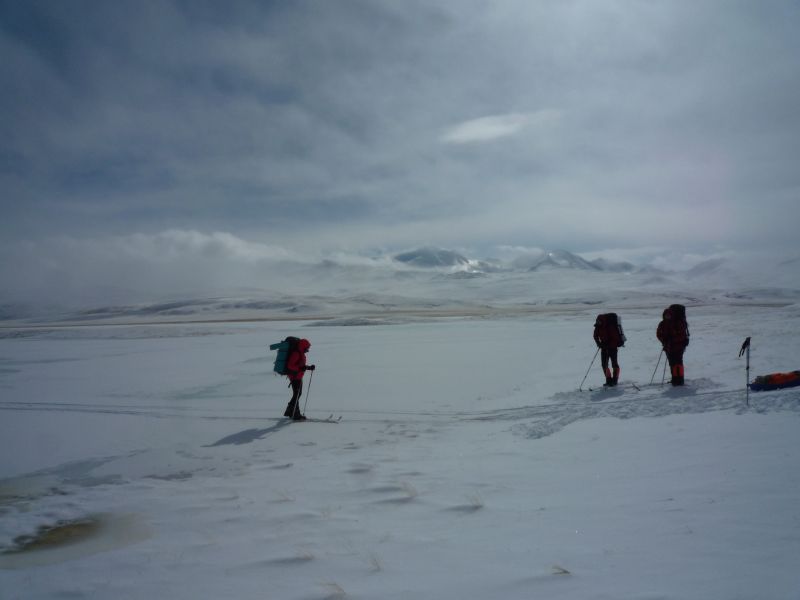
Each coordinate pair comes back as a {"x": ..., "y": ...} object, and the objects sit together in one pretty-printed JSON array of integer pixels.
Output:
[{"x": 467, "y": 464}]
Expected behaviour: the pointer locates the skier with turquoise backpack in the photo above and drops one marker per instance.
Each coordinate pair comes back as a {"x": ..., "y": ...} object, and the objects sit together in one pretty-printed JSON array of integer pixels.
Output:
[{"x": 291, "y": 362}]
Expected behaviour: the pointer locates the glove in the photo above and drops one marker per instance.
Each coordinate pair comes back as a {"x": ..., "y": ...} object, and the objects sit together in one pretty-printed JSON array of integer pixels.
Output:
[{"x": 311, "y": 367}]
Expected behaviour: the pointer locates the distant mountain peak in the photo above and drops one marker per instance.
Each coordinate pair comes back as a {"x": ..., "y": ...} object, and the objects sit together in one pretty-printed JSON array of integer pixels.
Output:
[
  {"x": 429, "y": 257},
  {"x": 562, "y": 259}
]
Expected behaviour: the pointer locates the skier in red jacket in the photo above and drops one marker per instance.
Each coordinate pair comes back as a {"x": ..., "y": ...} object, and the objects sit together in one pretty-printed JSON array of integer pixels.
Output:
[
  {"x": 673, "y": 333},
  {"x": 295, "y": 369}
]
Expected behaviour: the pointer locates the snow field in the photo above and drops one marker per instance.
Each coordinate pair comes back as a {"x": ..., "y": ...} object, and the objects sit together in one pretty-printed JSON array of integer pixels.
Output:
[{"x": 467, "y": 464}]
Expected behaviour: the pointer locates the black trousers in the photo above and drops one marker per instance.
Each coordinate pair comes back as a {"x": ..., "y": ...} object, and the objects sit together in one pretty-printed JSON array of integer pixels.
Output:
[
  {"x": 293, "y": 408},
  {"x": 297, "y": 390},
  {"x": 607, "y": 354},
  {"x": 675, "y": 356},
  {"x": 675, "y": 359}
]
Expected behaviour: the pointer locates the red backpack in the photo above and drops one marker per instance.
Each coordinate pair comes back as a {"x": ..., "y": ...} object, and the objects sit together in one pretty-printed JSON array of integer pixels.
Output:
[
  {"x": 608, "y": 330},
  {"x": 679, "y": 328}
]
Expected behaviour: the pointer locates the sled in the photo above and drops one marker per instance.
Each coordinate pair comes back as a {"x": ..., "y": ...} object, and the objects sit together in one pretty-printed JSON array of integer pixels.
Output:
[{"x": 775, "y": 381}]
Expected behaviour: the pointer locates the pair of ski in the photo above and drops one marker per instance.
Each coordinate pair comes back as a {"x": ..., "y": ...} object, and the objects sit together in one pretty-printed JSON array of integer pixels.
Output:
[
  {"x": 330, "y": 419},
  {"x": 631, "y": 384},
  {"x": 606, "y": 388}
]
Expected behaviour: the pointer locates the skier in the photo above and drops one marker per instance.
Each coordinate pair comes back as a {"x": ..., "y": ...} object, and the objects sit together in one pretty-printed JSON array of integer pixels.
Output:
[
  {"x": 673, "y": 333},
  {"x": 295, "y": 369},
  {"x": 609, "y": 337}
]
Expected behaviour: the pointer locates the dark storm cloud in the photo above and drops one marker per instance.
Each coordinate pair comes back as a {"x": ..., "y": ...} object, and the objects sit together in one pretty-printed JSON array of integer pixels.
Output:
[
  {"x": 165, "y": 106},
  {"x": 569, "y": 123}
]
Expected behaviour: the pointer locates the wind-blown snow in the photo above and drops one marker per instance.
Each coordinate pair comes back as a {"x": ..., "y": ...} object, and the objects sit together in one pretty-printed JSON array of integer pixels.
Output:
[{"x": 466, "y": 465}]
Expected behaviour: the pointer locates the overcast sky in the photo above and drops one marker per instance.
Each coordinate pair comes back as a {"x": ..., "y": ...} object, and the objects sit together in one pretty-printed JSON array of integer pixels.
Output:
[{"x": 365, "y": 124}]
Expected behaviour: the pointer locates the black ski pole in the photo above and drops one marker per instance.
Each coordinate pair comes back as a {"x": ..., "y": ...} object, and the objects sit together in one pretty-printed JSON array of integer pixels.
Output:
[
  {"x": 308, "y": 391},
  {"x": 658, "y": 362},
  {"x": 664, "y": 373},
  {"x": 746, "y": 348},
  {"x": 580, "y": 387}
]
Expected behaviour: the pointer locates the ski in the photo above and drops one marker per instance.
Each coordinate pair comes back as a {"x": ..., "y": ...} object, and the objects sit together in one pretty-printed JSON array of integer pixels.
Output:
[
  {"x": 330, "y": 419},
  {"x": 621, "y": 388},
  {"x": 607, "y": 388}
]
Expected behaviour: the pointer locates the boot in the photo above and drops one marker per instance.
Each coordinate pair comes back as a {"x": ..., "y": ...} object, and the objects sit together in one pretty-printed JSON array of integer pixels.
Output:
[
  {"x": 615, "y": 378},
  {"x": 609, "y": 379},
  {"x": 299, "y": 417}
]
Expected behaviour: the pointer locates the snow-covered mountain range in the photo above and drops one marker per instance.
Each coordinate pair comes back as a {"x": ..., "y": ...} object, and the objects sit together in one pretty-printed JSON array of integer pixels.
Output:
[
  {"x": 427, "y": 281},
  {"x": 431, "y": 257}
]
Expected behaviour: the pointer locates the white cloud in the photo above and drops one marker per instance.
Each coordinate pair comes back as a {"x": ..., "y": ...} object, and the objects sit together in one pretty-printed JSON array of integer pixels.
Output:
[
  {"x": 176, "y": 244},
  {"x": 493, "y": 127},
  {"x": 129, "y": 268}
]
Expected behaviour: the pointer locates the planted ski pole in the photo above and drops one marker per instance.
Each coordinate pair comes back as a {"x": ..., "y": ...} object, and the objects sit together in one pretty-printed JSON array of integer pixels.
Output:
[
  {"x": 664, "y": 373},
  {"x": 308, "y": 391},
  {"x": 746, "y": 350},
  {"x": 580, "y": 387},
  {"x": 658, "y": 362}
]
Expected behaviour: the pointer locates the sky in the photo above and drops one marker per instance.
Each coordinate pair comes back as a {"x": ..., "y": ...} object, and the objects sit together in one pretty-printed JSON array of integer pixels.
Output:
[{"x": 355, "y": 125}]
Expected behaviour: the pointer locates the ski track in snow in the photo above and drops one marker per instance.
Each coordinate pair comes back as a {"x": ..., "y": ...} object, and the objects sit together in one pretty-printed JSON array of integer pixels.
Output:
[
  {"x": 530, "y": 421},
  {"x": 698, "y": 396},
  {"x": 625, "y": 401}
]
